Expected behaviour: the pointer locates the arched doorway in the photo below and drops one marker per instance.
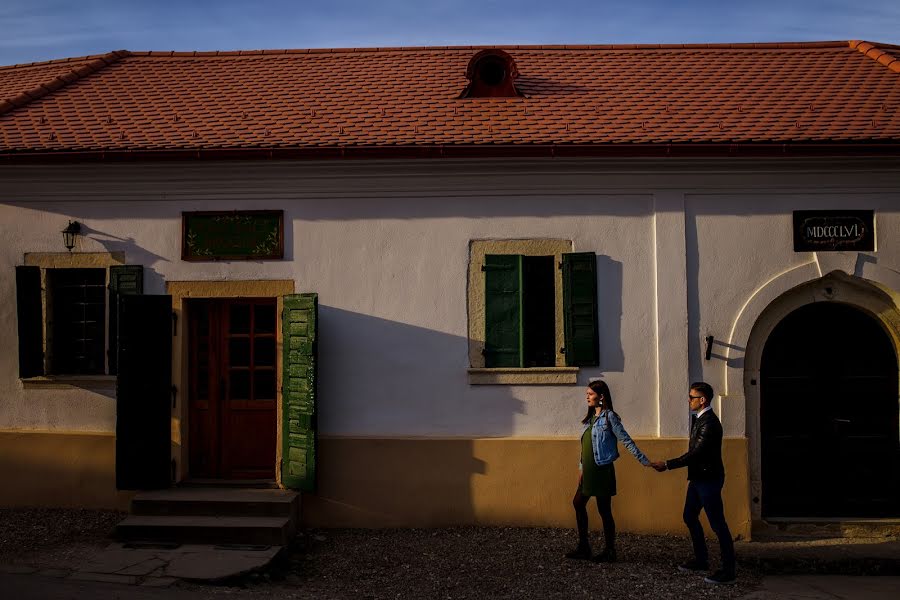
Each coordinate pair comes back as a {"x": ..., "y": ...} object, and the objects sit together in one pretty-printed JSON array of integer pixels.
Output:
[{"x": 829, "y": 416}]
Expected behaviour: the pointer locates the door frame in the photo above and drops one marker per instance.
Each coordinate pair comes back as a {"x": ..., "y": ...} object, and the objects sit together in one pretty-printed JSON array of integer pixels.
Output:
[
  {"x": 872, "y": 298},
  {"x": 184, "y": 290}
]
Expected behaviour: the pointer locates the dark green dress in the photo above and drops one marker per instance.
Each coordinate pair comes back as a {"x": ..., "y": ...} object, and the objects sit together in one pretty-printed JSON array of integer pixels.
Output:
[{"x": 596, "y": 480}]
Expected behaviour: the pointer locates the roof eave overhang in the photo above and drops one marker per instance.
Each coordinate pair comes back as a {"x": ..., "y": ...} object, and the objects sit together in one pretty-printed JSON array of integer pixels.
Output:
[{"x": 671, "y": 150}]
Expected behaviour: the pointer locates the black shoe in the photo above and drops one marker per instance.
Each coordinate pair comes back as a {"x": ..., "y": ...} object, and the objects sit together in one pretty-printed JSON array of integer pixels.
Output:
[
  {"x": 693, "y": 566},
  {"x": 721, "y": 577},
  {"x": 582, "y": 552},
  {"x": 607, "y": 556}
]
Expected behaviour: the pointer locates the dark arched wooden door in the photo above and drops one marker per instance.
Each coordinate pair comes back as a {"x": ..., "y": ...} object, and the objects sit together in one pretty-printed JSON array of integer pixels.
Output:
[{"x": 829, "y": 416}]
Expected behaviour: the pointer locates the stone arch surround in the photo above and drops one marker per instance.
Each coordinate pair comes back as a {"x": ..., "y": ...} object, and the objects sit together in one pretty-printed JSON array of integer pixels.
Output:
[{"x": 863, "y": 285}]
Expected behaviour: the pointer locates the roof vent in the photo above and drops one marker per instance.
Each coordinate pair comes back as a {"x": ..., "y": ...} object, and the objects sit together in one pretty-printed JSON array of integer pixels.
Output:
[{"x": 491, "y": 74}]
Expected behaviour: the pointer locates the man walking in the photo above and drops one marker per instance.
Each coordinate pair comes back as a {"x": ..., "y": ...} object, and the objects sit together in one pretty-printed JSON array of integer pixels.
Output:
[{"x": 706, "y": 476}]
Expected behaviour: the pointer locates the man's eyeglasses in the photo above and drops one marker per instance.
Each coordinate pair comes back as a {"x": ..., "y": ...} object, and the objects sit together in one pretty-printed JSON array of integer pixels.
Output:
[{"x": 695, "y": 397}]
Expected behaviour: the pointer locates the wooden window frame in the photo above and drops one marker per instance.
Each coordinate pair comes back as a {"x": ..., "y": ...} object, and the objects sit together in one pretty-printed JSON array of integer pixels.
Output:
[
  {"x": 50, "y": 261},
  {"x": 478, "y": 373}
]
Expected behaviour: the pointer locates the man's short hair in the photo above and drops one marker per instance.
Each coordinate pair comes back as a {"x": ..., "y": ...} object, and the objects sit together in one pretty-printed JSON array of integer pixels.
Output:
[{"x": 705, "y": 389}]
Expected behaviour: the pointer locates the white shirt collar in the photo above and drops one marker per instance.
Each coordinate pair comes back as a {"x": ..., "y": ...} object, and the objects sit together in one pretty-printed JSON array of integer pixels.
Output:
[{"x": 707, "y": 409}]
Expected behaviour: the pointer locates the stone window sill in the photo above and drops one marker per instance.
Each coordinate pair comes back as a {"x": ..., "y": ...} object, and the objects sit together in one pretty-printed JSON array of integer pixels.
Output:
[
  {"x": 90, "y": 382},
  {"x": 530, "y": 376}
]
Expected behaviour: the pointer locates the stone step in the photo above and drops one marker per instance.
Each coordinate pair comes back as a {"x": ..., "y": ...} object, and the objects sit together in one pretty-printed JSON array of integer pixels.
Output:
[
  {"x": 231, "y": 483},
  {"x": 774, "y": 529},
  {"x": 275, "y": 531},
  {"x": 220, "y": 502}
]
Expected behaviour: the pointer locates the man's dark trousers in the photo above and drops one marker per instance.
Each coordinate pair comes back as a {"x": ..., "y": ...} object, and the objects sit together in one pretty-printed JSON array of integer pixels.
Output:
[{"x": 707, "y": 495}]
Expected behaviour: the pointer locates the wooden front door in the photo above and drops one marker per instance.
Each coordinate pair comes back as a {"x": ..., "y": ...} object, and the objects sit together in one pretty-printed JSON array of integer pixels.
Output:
[
  {"x": 232, "y": 384},
  {"x": 829, "y": 416}
]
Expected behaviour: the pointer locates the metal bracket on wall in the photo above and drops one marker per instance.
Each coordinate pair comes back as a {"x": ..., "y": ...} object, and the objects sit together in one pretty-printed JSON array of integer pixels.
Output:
[{"x": 709, "y": 344}]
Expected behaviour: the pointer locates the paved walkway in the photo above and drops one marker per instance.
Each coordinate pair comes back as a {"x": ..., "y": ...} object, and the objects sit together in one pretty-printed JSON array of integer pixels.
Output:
[
  {"x": 150, "y": 566},
  {"x": 821, "y": 556},
  {"x": 46, "y": 587},
  {"x": 827, "y": 587},
  {"x": 35, "y": 587}
]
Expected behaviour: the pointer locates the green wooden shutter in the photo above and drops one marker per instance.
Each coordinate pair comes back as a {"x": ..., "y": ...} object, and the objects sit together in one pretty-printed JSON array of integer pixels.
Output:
[
  {"x": 31, "y": 322},
  {"x": 124, "y": 280},
  {"x": 503, "y": 310},
  {"x": 580, "y": 309},
  {"x": 144, "y": 393},
  {"x": 300, "y": 333}
]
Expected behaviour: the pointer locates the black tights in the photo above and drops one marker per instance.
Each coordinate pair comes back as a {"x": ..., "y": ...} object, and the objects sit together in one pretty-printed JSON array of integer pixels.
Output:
[{"x": 604, "y": 507}]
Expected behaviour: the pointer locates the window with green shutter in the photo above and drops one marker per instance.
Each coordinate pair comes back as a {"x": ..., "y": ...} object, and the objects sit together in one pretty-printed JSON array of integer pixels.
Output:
[
  {"x": 72, "y": 312},
  {"x": 300, "y": 340},
  {"x": 503, "y": 339},
  {"x": 144, "y": 393},
  {"x": 520, "y": 310},
  {"x": 580, "y": 309},
  {"x": 31, "y": 324},
  {"x": 124, "y": 280}
]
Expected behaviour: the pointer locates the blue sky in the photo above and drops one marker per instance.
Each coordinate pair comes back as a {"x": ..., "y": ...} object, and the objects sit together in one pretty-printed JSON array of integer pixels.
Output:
[{"x": 35, "y": 30}]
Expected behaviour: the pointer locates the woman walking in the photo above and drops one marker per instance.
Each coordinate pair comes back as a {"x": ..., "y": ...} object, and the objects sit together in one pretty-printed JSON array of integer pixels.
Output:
[{"x": 601, "y": 430}]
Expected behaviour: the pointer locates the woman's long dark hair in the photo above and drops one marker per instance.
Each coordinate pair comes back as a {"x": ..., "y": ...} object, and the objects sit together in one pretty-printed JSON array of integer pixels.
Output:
[{"x": 601, "y": 389}]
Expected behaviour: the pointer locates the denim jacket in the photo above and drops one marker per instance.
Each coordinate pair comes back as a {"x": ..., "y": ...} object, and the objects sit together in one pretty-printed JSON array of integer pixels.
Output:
[{"x": 608, "y": 430}]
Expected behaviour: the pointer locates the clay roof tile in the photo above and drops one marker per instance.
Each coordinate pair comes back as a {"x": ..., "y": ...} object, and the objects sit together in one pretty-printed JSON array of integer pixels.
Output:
[{"x": 583, "y": 96}]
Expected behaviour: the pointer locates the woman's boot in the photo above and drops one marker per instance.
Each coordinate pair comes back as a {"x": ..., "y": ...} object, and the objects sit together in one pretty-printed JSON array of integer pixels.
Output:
[
  {"x": 609, "y": 551},
  {"x": 607, "y": 556},
  {"x": 581, "y": 552}
]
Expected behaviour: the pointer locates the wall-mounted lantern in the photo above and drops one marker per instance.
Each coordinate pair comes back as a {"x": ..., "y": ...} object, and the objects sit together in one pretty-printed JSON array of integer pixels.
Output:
[{"x": 72, "y": 230}]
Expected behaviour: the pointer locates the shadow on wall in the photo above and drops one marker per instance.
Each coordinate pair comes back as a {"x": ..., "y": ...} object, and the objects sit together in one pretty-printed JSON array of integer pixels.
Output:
[
  {"x": 692, "y": 249},
  {"x": 609, "y": 313},
  {"x": 70, "y": 470},
  {"x": 136, "y": 211},
  {"x": 396, "y": 416},
  {"x": 114, "y": 243},
  {"x": 154, "y": 282},
  {"x": 398, "y": 206}
]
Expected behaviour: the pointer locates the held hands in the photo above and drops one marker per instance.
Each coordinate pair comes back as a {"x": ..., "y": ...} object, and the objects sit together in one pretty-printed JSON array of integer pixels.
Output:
[{"x": 659, "y": 465}]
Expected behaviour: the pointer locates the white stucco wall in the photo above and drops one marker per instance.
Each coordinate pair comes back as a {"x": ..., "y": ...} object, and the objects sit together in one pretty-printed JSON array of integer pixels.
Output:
[
  {"x": 740, "y": 243},
  {"x": 681, "y": 248}
]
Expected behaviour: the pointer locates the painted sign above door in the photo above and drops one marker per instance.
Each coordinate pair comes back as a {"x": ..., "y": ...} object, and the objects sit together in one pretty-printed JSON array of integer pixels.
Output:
[
  {"x": 834, "y": 230},
  {"x": 232, "y": 235}
]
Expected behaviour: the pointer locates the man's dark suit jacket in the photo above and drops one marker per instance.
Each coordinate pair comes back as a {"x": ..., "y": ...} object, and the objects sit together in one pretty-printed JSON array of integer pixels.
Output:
[{"x": 704, "y": 456}]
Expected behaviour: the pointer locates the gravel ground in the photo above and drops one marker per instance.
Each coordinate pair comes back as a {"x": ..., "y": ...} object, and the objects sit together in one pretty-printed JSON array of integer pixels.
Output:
[
  {"x": 450, "y": 563},
  {"x": 51, "y": 535},
  {"x": 481, "y": 562}
]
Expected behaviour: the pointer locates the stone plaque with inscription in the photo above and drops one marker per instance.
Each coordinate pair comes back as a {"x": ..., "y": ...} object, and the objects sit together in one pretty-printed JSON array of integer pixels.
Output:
[{"x": 834, "y": 230}]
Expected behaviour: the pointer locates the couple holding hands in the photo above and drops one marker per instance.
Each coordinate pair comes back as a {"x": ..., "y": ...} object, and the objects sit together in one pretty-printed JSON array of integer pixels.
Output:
[{"x": 602, "y": 429}]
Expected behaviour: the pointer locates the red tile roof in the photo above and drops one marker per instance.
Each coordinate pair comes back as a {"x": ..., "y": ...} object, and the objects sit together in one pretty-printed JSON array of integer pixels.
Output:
[
  {"x": 362, "y": 102},
  {"x": 21, "y": 80}
]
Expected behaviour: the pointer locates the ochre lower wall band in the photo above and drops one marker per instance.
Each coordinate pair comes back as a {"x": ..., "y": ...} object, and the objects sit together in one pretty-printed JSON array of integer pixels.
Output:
[
  {"x": 404, "y": 482},
  {"x": 50, "y": 469},
  {"x": 505, "y": 481}
]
